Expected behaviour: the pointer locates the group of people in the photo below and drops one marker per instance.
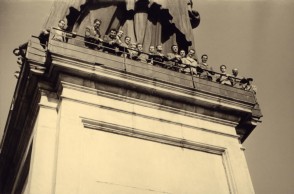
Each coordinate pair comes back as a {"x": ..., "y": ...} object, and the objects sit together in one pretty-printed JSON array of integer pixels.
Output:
[
  {"x": 234, "y": 80},
  {"x": 176, "y": 60}
]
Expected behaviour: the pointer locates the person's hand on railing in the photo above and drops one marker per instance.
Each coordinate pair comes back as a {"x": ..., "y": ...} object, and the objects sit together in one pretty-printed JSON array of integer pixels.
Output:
[
  {"x": 74, "y": 34},
  {"x": 116, "y": 49},
  {"x": 199, "y": 69},
  {"x": 97, "y": 38},
  {"x": 45, "y": 31}
]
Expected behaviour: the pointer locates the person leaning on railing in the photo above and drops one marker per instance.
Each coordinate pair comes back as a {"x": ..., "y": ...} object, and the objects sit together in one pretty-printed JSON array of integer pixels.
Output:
[
  {"x": 119, "y": 36},
  {"x": 151, "y": 55},
  {"x": 169, "y": 63},
  {"x": 133, "y": 51},
  {"x": 125, "y": 46},
  {"x": 119, "y": 43},
  {"x": 204, "y": 70},
  {"x": 173, "y": 58},
  {"x": 182, "y": 65},
  {"x": 93, "y": 38},
  {"x": 223, "y": 77},
  {"x": 59, "y": 33},
  {"x": 142, "y": 56},
  {"x": 109, "y": 42},
  {"x": 158, "y": 57},
  {"x": 191, "y": 62},
  {"x": 188, "y": 64},
  {"x": 235, "y": 80},
  {"x": 249, "y": 86}
]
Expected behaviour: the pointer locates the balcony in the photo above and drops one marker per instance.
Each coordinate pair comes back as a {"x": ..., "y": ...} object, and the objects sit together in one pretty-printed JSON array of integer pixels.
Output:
[{"x": 207, "y": 97}]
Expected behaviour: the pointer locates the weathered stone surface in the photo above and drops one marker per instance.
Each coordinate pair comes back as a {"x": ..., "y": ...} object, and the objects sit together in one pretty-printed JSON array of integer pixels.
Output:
[{"x": 94, "y": 122}]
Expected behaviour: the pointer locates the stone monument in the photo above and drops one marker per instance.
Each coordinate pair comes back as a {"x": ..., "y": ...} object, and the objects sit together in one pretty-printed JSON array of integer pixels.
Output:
[{"x": 85, "y": 121}]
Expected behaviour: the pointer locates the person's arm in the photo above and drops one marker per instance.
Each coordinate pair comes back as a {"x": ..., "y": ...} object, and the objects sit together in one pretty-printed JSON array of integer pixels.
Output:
[
  {"x": 111, "y": 41},
  {"x": 118, "y": 41},
  {"x": 45, "y": 31},
  {"x": 88, "y": 32},
  {"x": 193, "y": 63},
  {"x": 220, "y": 78},
  {"x": 106, "y": 39},
  {"x": 70, "y": 35}
]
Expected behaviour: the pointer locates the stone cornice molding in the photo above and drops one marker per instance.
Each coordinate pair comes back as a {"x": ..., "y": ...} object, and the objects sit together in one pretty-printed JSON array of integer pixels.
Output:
[
  {"x": 150, "y": 136},
  {"x": 157, "y": 119},
  {"x": 89, "y": 69},
  {"x": 93, "y": 91},
  {"x": 153, "y": 86}
]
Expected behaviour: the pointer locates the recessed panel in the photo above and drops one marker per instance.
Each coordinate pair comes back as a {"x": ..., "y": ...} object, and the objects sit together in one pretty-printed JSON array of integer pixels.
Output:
[{"x": 113, "y": 163}]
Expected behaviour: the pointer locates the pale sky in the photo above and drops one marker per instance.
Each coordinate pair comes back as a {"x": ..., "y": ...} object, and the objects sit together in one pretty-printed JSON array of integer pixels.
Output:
[{"x": 256, "y": 36}]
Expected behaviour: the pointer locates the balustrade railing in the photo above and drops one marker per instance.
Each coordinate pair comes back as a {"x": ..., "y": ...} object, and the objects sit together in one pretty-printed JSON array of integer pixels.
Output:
[{"x": 126, "y": 53}]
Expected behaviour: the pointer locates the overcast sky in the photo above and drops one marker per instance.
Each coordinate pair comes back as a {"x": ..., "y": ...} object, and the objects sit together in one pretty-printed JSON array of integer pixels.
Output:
[{"x": 257, "y": 37}]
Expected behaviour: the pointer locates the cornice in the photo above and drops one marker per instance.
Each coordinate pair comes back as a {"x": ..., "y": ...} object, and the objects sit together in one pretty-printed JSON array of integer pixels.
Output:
[
  {"x": 150, "y": 136},
  {"x": 122, "y": 79},
  {"x": 114, "y": 96}
]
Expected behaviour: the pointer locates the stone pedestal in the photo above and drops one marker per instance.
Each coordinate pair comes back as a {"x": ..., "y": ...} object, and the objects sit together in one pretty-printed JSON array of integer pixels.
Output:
[{"x": 105, "y": 124}]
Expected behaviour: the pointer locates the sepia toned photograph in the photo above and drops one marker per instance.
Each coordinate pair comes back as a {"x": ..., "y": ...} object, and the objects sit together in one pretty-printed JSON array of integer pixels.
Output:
[{"x": 146, "y": 96}]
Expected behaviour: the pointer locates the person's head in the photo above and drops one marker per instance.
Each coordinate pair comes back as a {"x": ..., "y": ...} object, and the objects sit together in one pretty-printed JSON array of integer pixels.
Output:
[
  {"x": 249, "y": 81},
  {"x": 191, "y": 53},
  {"x": 175, "y": 48},
  {"x": 112, "y": 33},
  {"x": 127, "y": 40},
  {"x": 169, "y": 56},
  {"x": 140, "y": 47},
  {"x": 120, "y": 33},
  {"x": 204, "y": 58},
  {"x": 133, "y": 45},
  {"x": 182, "y": 53},
  {"x": 223, "y": 68},
  {"x": 159, "y": 48},
  {"x": 151, "y": 49},
  {"x": 97, "y": 23},
  {"x": 235, "y": 72},
  {"x": 61, "y": 24}
]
